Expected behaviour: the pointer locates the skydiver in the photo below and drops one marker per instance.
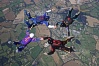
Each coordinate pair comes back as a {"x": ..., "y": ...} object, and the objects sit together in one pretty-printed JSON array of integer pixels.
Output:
[
  {"x": 29, "y": 25},
  {"x": 40, "y": 19},
  {"x": 68, "y": 20},
  {"x": 25, "y": 41},
  {"x": 57, "y": 44}
]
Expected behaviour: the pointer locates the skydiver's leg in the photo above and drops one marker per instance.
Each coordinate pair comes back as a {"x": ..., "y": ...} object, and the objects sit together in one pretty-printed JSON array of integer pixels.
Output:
[
  {"x": 76, "y": 15},
  {"x": 69, "y": 12},
  {"x": 34, "y": 21},
  {"x": 63, "y": 43},
  {"x": 67, "y": 29},
  {"x": 68, "y": 49},
  {"x": 63, "y": 25},
  {"x": 69, "y": 38},
  {"x": 20, "y": 48},
  {"x": 16, "y": 43},
  {"x": 28, "y": 24},
  {"x": 52, "y": 50},
  {"x": 27, "y": 14}
]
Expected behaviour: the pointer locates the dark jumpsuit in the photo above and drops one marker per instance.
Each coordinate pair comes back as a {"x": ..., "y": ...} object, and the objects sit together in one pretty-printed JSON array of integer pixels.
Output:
[
  {"x": 57, "y": 44},
  {"x": 68, "y": 20}
]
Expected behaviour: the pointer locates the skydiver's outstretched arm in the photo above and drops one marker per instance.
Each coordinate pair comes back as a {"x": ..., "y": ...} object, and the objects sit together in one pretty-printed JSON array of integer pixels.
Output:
[
  {"x": 46, "y": 23},
  {"x": 27, "y": 32},
  {"x": 47, "y": 38},
  {"x": 58, "y": 23},
  {"x": 49, "y": 26},
  {"x": 36, "y": 39},
  {"x": 46, "y": 13},
  {"x": 69, "y": 38}
]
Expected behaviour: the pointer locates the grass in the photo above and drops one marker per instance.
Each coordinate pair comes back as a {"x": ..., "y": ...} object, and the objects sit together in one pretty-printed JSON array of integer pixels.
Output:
[
  {"x": 93, "y": 10},
  {"x": 3, "y": 54},
  {"x": 84, "y": 60},
  {"x": 85, "y": 57},
  {"x": 89, "y": 29},
  {"x": 35, "y": 51},
  {"x": 88, "y": 42},
  {"x": 85, "y": 6},
  {"x": 22, "y": 35},
  {"x": 14, "y": 64},
  {"x": 32, "y": 44},
  {"x": 69, "y": 44},
  {"x": 18, "y": 29},
  {"x": 48, "y": 61},
  {"x": 0, "y": 47},
  {"x": 28, "y": 62},
  {"x": 96, "y": 31},
  {"x": 15, "y": 2},
  {"x": 33, "y": 30},
  {"x": 1, "y": 14},
  {"x": 45, "y": 60},
  {"x": 94, "y": 14},
  {"x": 97, "y": 61},
  {"x": 5, "y": 47}
]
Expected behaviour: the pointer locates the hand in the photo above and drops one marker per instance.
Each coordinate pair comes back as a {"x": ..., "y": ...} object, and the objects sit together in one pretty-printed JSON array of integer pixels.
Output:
[
  {"x": 41, "y": 39},
  {"x": 53, "y": 9},
  {"x": 69, "y": 52},
  {"x": 29, "y": 28},
  {"x": 45, "y": 53},
  {"x": 48, "y": 10},
  {"x": 55, "y": 27}
]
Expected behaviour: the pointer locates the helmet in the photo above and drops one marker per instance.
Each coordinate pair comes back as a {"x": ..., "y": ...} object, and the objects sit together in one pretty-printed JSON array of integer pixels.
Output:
[
  {"x": 31, "y": 35},
  {"x": 47, "y": 18}
]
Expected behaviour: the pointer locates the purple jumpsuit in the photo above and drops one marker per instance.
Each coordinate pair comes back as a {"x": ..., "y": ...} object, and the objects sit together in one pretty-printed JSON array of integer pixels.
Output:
[{"x": 26, "y": 40}]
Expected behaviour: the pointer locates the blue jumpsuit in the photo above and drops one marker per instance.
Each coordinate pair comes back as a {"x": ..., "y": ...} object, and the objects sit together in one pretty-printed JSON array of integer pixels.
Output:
[{"x": 38, "y": 19}]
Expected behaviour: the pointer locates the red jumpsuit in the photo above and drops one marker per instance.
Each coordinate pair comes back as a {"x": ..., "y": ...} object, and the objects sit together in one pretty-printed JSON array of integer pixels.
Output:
[{"x": 57, "y": 44}]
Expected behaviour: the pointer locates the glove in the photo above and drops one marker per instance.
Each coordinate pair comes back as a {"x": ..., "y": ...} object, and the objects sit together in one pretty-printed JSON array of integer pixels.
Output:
[{"x": 48, "y": 11}]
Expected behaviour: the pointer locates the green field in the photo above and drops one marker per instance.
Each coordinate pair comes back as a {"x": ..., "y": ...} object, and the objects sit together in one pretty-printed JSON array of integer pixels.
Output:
[
  {"x": 1, "y": 14},
  {"x": 46, "y": 61},
  {"x": 35, "y": 51},
  {"x": 22, "y": 35}
]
